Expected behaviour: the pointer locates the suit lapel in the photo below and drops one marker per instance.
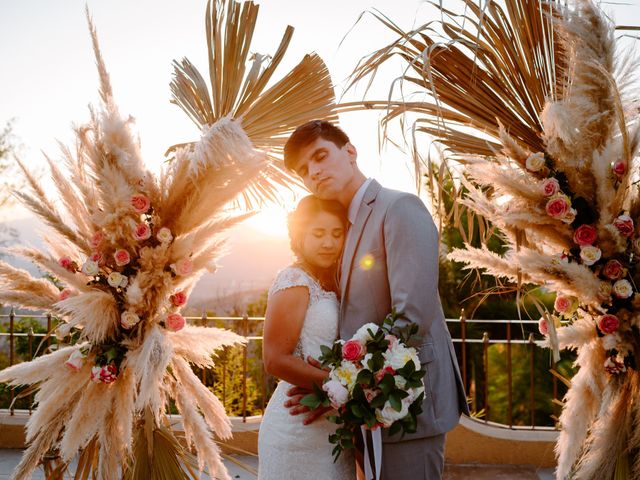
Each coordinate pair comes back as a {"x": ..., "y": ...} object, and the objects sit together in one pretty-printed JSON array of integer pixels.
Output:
[{"x": 353, "y": 240}]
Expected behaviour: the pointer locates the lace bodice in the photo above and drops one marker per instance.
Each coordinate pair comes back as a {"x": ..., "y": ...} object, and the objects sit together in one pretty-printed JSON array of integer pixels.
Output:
[{"x": 321, "y": 321}]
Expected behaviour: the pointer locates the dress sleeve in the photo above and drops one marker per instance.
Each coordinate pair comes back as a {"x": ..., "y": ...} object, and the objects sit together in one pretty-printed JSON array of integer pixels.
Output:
[{"x": 290, "y": 277}]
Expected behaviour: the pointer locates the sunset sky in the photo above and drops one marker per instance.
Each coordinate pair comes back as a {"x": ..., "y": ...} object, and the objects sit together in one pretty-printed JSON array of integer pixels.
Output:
[{"x": 49, "y": 76}]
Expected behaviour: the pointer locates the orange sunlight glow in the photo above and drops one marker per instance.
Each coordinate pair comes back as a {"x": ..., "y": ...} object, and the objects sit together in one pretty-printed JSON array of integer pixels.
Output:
[{"x": 270, "y": 220}]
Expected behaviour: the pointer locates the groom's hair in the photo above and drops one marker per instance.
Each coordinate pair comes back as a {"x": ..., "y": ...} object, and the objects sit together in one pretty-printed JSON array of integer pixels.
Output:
[{"x": 309, "y": 133}]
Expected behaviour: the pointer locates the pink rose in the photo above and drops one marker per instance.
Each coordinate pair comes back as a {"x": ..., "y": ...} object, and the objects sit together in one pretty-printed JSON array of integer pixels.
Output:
[
  {"x": 614, "y": 365},
  {"x": 68, "y": 264},
  {"x": 613, "y": 270},
  {"x": 105, "y": 374},
  {"x": 183, "y": 267},
  {"x": 97, "y": 257},
  {"x": 558, "y": 206},
  {"x": 608, "y": 323},
  {"x": 175, "y": 322},
  {"x": 141, "y": 232},
  {"x": 562, "y": 304},
  {"x": 352, "y": 351},
  {"x": 543, "y": 328},
  {"x": 178, "y": 299},
  {"x": 624, "y": 224},
  {"x": 619, "y": 168},
  {"x": 585, "y": 235},
  {"x": 140, "y": 203},
  {"x": 550, "y": 187},
  {"x": 97, "y": 239},
  {"x": 392, "y": 339},
  {"x": 121, "y": 257},
  {"x": 370, "y": 394},
  {"x": 66, "y": 293}
]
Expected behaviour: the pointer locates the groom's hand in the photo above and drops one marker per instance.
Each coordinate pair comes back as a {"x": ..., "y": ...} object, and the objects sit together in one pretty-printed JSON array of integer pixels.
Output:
[{"x": 295, "y": 394}]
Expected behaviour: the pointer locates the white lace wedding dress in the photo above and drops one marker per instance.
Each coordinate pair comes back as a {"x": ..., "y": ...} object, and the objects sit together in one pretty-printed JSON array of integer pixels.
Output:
[{"x": 287, "y": 449}]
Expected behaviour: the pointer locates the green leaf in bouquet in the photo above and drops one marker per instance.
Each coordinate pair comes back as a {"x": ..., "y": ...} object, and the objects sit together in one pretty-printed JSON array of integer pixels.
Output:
[
  {"x": 387, "y": 384},
  {"x": 365, "y": 377},
  {"x": 376, "y": 362},
  {"x": 325, "y": 352},
  {"x": 415, "y": 408},
  {"x": 390, "y": 320},
  {"x": 337, "y": 419},
  {"x": 413, "y": 383},
  {"x": 336, "y": 453},
  {"x": 348, "y": 443},
  {"x": 358, "y": 393},
  {"x": 395, "y": 400},
  {"x": 395, "y": 428},
  {"x": 334, "y": 438},
  {"x": 378, "y": 401},
  {"x": 407, "y": 370},
  {"x": 357, "y": 410},
  {"x": 409, "y": 424},
  {"x": 311, "y": 400},
  {"x": 370, "y": 419}
]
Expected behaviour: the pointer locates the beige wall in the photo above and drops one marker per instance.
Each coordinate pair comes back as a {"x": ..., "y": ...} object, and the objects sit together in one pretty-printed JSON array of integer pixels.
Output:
[{"x": 471, "y": 441}]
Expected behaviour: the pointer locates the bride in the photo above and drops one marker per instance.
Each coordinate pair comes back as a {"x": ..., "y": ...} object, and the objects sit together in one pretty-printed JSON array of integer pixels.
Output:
[{"x": 302, "y": 314}]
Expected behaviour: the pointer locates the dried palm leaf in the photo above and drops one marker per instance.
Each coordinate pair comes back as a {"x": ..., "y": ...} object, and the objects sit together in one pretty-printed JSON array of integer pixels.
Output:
[{"x": 239, "y": 91}]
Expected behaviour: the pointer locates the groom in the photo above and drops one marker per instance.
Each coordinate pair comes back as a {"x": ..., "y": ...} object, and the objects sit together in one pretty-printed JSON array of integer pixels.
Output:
[{"x": 390, "y": 260}]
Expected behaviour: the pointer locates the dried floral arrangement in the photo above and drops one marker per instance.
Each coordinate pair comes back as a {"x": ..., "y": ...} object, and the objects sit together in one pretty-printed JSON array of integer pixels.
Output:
[
  {"x": 536, "y": 107},
  {"x": 128, "y": 248}
]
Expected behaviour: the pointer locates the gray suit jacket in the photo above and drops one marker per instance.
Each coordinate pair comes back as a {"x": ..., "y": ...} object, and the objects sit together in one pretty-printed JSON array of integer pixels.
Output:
[{"x": 391, "y": 260}]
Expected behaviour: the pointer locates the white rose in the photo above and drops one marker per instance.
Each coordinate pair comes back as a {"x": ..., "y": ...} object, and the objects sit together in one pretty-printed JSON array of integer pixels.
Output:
[
  {"x": 610, "y": 341},
  {"x": 535, "y": 162},
  {"x": 164, "y": 235},
  {"x": 337, "y": 393},
  {"x": 570, "y": 216},
  {"x": 590, "y": 254},
  {"x": 400, "y": 381},
  {"x": 116, "y": 279},
  {"x": 388, "y": 414},
  {"x": 95, "y": 374},
  {"x": 362, "y": 335},
  {"x": 75, "y": 361},
  {"x": 622, "y": 289},
  {"x": 366, "y": 358},
  {"x": 346, "y": 374},
  {"x": 413, "y": 394},
  {"x": 398, "y": 356},
  {"x": 129, "y": 319},
  {"x": 90, "y": 268}
]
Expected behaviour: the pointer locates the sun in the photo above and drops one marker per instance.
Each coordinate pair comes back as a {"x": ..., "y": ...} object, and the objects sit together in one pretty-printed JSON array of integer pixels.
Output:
[{"x": 270, "y": 220}]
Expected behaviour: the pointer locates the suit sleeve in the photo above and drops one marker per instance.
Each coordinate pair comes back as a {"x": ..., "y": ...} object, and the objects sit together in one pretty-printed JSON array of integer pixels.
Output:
[{"x": 411, "y": 244}]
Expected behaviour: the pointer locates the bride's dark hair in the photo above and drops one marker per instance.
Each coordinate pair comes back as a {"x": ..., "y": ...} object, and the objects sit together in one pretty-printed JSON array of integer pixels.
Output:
[{"x": 298, "y": 223}]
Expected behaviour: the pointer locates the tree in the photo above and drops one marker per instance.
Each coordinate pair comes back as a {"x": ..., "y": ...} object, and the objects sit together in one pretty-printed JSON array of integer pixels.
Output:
[{"x": 8, "y": 147}]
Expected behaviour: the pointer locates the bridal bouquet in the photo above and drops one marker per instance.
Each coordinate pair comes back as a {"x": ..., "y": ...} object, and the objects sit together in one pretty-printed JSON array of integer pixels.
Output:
[{"x": 375, "y": 380}]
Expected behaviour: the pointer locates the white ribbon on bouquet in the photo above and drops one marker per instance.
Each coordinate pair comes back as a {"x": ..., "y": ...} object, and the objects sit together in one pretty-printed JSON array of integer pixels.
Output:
[{"x": 376, "y": 437}]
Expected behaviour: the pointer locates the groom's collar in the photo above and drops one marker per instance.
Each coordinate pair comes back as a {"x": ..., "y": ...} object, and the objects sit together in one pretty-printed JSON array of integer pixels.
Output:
[{"x": 356, "y": 201}]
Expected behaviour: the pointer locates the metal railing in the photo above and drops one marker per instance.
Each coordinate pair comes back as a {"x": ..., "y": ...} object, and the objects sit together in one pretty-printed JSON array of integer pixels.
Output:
[{"x": 485, "y": 356}]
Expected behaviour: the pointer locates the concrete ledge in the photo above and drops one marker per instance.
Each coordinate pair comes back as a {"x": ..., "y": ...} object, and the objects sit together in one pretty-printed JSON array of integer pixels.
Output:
[
  {"x": 474, "y": 441},
  {"x": 471, "y": 442}
]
